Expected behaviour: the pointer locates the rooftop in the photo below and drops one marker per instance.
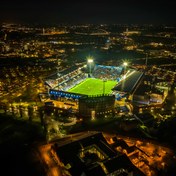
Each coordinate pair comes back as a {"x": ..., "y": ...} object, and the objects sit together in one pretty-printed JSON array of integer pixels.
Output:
[{"x": 92, "y": 155}]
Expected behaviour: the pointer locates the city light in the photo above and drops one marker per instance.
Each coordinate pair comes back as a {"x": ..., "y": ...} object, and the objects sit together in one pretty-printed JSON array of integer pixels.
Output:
[{"x": 99, "y": 86}]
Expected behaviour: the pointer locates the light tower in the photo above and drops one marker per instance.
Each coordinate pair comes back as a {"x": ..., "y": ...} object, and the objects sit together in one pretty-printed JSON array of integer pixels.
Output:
[
  {"x": 125, "y": 64},
  {"x": 90, "y": 63}
]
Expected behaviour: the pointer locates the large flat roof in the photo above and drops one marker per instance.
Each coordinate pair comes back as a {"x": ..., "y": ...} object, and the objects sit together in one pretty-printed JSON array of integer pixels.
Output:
[
  {"x": 76, "y": 154},
  {"x": 130, "y": 82},
  {"x": 58, "y": 74}
]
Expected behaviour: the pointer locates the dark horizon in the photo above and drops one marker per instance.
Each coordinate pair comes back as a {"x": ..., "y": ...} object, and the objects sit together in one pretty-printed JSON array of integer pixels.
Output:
[{"x": 93, "y": 12}]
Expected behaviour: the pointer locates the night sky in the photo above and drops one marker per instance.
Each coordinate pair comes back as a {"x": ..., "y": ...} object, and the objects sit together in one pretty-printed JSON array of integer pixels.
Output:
[{"x": 90, "y": 11}]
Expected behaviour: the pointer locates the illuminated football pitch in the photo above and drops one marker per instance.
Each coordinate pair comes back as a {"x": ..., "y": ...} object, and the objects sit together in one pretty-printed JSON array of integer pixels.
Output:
[{"x": 92, "y": 86}]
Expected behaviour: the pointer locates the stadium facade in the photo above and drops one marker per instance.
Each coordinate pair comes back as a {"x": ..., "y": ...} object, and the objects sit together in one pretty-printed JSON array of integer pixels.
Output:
[{"x": 96, "y": 106}]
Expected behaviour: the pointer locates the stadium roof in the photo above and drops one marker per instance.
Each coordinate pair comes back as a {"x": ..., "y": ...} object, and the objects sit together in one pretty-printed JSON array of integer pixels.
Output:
[
  {"x": 61, "y": 73},
  {"x": 130, "y": 82}
]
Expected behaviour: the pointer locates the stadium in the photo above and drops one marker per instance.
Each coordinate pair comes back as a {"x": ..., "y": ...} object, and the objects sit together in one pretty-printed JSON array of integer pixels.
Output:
[
  {"x": 95, "y": 88},
  {"x": 89, "y": 79}
]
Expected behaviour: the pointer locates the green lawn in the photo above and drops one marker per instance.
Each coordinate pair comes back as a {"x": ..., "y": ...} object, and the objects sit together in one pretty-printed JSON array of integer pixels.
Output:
[{"x": 92, "y": 86}]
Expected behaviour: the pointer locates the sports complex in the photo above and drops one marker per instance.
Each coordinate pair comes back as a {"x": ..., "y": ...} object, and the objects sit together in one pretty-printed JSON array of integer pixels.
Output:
[
  {"x": 81, "y": 81},
  {"x": 94, "y": 87}
]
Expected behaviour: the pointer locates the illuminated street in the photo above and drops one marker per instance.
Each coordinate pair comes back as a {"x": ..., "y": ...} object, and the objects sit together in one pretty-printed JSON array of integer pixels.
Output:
[{"x": 147, "y": 156}]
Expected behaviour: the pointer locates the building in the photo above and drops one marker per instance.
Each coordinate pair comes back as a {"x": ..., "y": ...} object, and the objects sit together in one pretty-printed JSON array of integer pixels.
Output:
[
  {"x": 96, "y": 106},
  {"x": 92, "y": 155}
]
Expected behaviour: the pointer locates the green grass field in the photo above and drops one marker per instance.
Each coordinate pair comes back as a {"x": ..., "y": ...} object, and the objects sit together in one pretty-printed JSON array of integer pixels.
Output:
[{"x": 92, "y": 86}]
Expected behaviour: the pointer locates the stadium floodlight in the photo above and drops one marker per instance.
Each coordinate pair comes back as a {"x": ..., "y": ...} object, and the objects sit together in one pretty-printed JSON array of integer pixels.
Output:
[
  {"x": 90, "y": 60},
  {"x": 125, "y": 63}
]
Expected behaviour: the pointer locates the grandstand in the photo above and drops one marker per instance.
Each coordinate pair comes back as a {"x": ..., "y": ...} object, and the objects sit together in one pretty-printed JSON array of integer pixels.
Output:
[
  {"x": 107, "y": 72},
  {"x": 127, "y": 84},
  {"x": 130, "y": 81},
  {"x": 65, "y": 79},
  {"x": 111, "y": 74}
]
